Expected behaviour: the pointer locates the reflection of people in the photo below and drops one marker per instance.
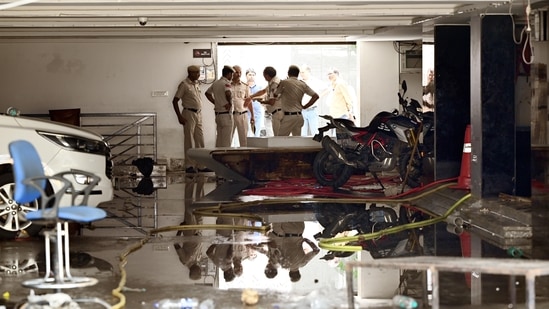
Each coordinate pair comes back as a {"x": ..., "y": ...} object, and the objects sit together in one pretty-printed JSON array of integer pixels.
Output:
[
  {"x": 258, "y": 109},
  {"x": 222, "y": 256},
  {"x": 310, "y": 115},
  {"x": 429, "y": 93},
  {"x": 241, "y": 106},
  {"x": 194, "y": 189},
  {"x": 220, "y": 95},
  {"x": 340, "y": 101},
  {"x": 190, "y": 117},
  {"x": 228, "y": 256},
  {"x": 287, "y": 249},
  {"x": 291, "y": 92},
  {"x": 190, "y": 252},
  {"x": 273, "y": 115}
]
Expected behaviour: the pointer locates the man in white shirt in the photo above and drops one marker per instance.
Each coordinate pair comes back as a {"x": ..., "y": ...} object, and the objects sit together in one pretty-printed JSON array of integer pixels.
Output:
[
  {"x": 258, "y": 109},
  {"x": 310, "y": 115}
]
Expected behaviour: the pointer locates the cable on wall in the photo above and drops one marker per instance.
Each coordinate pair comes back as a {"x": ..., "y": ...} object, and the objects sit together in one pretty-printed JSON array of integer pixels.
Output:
[
  {"x": 526, "y": 30},
  {"x": 212, "y": 64}
]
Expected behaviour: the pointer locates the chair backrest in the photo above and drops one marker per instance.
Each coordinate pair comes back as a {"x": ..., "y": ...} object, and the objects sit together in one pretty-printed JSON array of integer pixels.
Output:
[{"x": 26, "y": 164}]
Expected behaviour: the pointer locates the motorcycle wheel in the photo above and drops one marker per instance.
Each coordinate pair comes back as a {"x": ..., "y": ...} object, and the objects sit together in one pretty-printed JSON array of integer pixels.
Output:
[
  {"x": 329, "y": 171},
  {"x": 416, "y": 168}
]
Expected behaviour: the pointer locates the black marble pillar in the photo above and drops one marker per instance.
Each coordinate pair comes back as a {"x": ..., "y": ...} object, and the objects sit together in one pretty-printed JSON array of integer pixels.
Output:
[
  {"x": 540, "y": 204},
  {"x": 492, "y": 106},
  {"x": 452, "y": 97}
]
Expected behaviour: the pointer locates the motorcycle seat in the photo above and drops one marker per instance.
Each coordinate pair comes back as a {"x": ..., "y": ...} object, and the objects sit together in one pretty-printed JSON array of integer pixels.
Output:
[
  {"x": 358, "y": 129},
  {"x": 350, "y": 125}
]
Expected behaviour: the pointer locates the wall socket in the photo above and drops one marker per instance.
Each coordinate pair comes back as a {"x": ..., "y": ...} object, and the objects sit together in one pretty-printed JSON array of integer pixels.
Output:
[{"x": 159, "y": 93}]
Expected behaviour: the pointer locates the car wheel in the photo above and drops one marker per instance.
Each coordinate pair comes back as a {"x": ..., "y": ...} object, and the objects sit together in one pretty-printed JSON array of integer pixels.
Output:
[
  {"x": 12, "y": 214},
  {"x": 16, "y": 267}
]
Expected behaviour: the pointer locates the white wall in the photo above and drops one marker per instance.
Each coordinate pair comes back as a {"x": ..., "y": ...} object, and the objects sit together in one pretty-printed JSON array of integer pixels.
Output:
[
  {"x": 102, "y": 77},
  {"x": 118, "y": 76},
  {"x": 378, "y": 79}
]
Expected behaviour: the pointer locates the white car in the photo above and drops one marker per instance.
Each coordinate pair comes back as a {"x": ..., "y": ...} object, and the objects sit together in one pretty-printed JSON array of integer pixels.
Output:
[{"x": 62, "y": 148}]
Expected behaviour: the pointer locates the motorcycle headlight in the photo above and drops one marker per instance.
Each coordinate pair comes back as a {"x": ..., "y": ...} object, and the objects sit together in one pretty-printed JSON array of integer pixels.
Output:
[{"x": 77, "y": 143}]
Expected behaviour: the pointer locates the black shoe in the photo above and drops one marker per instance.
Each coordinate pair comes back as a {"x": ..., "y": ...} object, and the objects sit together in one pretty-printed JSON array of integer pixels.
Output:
[
  {"x": 190, "y": 169},
  {"x": 205, "y": 170}
]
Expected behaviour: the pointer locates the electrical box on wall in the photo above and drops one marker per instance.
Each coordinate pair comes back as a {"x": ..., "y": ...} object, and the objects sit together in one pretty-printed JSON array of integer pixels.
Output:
[
  {"x": 540, "y": 25},
  {"x": 207, "y": 74},
  {"x": 410, "y": 60}
]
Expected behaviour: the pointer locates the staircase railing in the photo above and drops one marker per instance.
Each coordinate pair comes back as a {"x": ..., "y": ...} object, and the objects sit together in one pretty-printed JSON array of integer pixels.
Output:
[{"x": 130, "y": 136}]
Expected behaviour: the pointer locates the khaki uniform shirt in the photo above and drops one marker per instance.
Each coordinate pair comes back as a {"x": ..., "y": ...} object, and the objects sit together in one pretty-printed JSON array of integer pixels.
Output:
[
  {"x": 290, "y": 92},
  {"x": 271, "y": 88},
  {"x": 240, "y": 92},
  {"x": 217, "y": 90},
  {"x": 189, "y": 94}
]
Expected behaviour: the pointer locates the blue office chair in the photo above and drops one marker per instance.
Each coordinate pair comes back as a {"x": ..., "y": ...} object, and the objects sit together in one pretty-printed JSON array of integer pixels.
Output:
[{"x": 30, "y": 185}]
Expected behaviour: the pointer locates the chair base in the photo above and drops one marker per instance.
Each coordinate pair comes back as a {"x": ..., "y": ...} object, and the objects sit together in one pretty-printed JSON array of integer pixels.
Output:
[
  {"x": 51, "y": 283},
  {"x": 57, "y": 271}
]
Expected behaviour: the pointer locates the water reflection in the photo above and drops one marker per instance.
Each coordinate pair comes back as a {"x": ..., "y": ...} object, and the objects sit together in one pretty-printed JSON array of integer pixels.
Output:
[
  {"x": 289, "y": 249},
  {"x": 228, "y": 254},
  {"x": 218, "y": 251},
  {"x": 189, "y": 252}
]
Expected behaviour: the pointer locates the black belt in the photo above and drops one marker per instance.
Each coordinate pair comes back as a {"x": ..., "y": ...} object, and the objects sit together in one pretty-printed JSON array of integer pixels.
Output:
[
  {"x": 239, "y": 113},
  {"x": 221, "y": 113},
  {"x": 286, "y": 235},
  {"x": 278, "y": 110},
  {"x": 292, "y": 113},
  {"x": 194, "y": 110}
]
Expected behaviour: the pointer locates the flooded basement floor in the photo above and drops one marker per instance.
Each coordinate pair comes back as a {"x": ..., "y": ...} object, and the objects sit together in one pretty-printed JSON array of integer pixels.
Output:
[{"x": 143, "y": 252}]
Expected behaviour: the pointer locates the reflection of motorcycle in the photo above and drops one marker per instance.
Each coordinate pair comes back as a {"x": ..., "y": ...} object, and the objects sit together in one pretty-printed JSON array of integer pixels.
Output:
[
  {"x": 391, "y": 140},
  {"x": 374, "y": 219}
]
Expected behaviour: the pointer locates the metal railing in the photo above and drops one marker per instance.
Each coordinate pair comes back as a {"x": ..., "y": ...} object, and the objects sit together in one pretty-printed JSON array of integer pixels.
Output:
[{"x": 130, "y": 136}]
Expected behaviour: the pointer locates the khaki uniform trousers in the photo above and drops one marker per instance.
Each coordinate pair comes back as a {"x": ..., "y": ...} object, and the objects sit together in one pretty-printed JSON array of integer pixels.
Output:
[
  {"x": 276, "y": 120},
  {"x": 241, "y": 126},
  {"x": 192, "y": 133},
  {"x": 291, "y": 124},
  {"x": 224, "y": 122}
]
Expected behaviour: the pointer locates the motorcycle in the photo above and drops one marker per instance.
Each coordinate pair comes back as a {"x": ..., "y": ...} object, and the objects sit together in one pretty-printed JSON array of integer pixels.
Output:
[
  {"x": 391, "y": 140},
  {"x": 367, "y": 220}
]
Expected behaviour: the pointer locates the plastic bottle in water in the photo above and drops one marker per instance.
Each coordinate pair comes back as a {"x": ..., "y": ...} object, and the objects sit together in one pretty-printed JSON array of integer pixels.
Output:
[
  {"x": 404, "y": 302},
  {"x": 178, "y": 303}
]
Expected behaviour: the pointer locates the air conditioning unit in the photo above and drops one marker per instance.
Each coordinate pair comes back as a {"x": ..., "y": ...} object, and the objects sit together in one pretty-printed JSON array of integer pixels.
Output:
[{"x": 410, "y": 59}]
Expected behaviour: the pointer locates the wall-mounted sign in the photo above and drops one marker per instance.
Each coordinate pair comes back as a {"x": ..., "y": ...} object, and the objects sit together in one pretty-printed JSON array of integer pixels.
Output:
[{"x": 202, "y": 53}]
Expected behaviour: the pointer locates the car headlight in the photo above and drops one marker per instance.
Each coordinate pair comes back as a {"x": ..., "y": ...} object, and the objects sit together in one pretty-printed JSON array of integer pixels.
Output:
[
  {"x": 82, "y": 179},
  {"x": 77, "y": 143}
]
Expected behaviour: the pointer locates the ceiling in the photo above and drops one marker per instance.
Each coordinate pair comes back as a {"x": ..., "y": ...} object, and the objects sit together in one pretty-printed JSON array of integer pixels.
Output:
[{"x": 245, "y": 20}]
